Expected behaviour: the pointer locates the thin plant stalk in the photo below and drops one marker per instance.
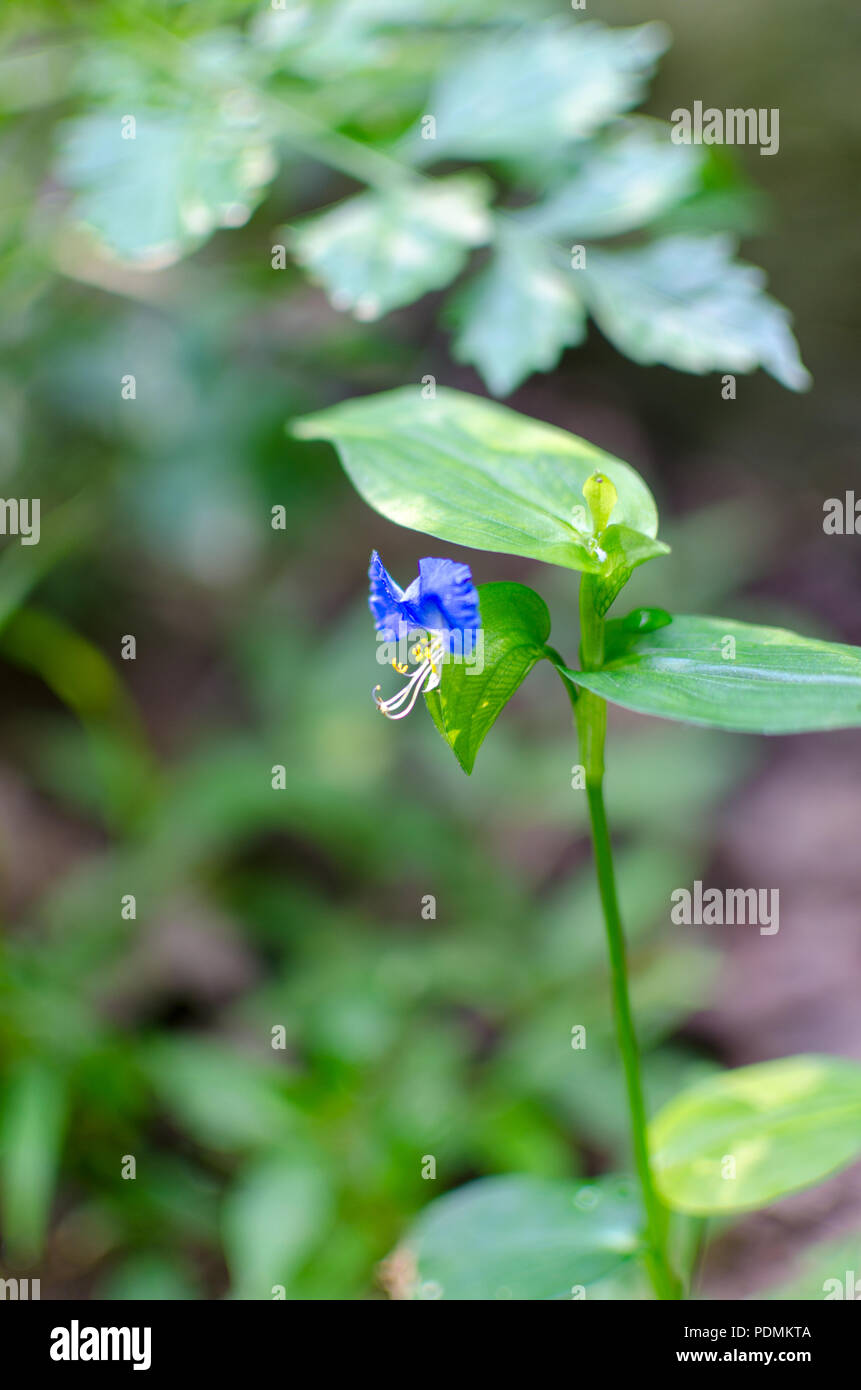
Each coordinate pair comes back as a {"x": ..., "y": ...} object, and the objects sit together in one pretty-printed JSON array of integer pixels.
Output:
[{"x": 591, "y": 719}]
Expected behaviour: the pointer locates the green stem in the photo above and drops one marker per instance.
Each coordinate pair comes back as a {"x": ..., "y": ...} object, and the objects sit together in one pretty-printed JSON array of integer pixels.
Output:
[
  {"x": 357, "y": 160},
  {"x": 591, "y": 717}
]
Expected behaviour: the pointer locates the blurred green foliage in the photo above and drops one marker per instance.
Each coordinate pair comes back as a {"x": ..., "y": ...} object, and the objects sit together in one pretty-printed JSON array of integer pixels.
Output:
[
  {"x": 180, "y": 123},
  {"x": 404, "y": 1037},
  {"x": 151, "y": 1037}
]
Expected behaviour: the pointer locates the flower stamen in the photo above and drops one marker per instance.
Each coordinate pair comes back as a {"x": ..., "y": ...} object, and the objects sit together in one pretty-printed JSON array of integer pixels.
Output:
[{"x": 426, "y": 677}]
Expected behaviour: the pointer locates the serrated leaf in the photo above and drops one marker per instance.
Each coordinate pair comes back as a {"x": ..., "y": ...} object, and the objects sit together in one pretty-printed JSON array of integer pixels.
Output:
[
  {"x": 518, "y": 314},
  {"x": 785, "y": 1124},
  {"x": 380, "y": 250},
  {"x": 541, "y": 84},
  {"x": 684, "y": 302},
  {"x": 624, "y": 180},
  {"x": 475, "y": 473},
  {"x": 153, "y": 198},
  {"x": 515, "y": 625},
  {"x": 731, "y": 675},
  {"x": 524, "y": 1238}
]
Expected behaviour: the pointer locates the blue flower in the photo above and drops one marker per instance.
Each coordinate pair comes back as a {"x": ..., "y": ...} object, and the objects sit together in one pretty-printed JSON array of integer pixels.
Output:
[{"x": 438, "y": 613}]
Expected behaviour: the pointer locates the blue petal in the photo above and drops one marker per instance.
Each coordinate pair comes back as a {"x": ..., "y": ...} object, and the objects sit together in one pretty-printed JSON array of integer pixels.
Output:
[
  {"x": 386, "y": 600},
  {"x": 444, "y": 598}
]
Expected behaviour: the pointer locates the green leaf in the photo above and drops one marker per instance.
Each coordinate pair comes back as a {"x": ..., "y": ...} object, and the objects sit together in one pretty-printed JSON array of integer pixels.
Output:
[
  {"x": 153, "y": 198},
  {"x": 523, "y": 1238},
  {"x": 146, "y": 1276},
  {"x": 475, "y": 473},
  {"x": 225, "y": 1100},
  {"x": 541, "y": 85},
  {"x": 601, "y": 498},
  {"x": 515, "y": 625},
  {"x": 827, "y": 1271},
  {"x": 380, "y": 250},
  {"x": 624, "y": 180},
  {"x": 683, "y": 301},
  {"x": 276, "y": 1214},
  {"x": 31, "y": 1137},
  {"x": 730, "y": 675},
  {"x": 518, "y": 314},
  {"x": 622, "y": 550},
  {"x": 786, "y": 1125}
]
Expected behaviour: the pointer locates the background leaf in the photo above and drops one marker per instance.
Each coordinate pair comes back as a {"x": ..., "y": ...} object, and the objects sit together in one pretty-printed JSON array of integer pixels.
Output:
[
  {"x": 684, "y": 302},
  {"x": 31, "y": 1136},
  {"x": 272, "y": 1219},
  {"x": 787, "y": 1124},
  {"x": 149, "y": 1277},
  {"x": 623, "y": 180},
  {"x": 472, "y": 472},
  {"x": 227, "y": 1100},
  {"x": 380, "y": 250},
  {"x": 541, "y": 84},
  {"x": 543, "y": 98},
  {"x": 829, "y": 1270},
  {"x": 153, "y": 198},
  {"x": 518, "y": 314},
  {"x": 515, "y": 624},
  {"x": 777, "y": 682},
  {"x": 524, "y": 1238}
]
